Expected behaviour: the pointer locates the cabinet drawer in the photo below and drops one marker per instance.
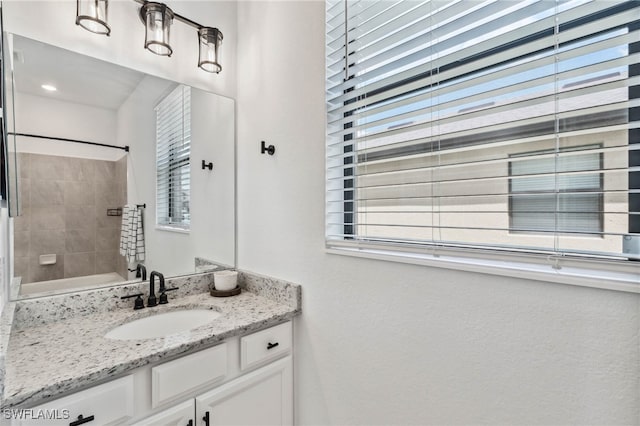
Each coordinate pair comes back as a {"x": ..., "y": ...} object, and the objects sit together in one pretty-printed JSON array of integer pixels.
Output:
[
  {"x": 179, "y": 415},
  {"x": 184, "y": 374},
  {"x": 107, "y": 404},
  {"x": 265, "y": 345}
]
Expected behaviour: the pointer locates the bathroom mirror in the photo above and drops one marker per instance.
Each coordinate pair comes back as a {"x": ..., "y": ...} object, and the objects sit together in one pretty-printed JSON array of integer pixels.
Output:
[{"x": 69, "y": 118}]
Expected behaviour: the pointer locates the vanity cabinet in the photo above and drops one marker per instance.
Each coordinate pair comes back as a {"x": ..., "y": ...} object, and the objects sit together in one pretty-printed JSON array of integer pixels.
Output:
[
  {"x": 242, "y": 381},
  {"x": 263, "y": 397},
  {"x": 250, "y": 382}
]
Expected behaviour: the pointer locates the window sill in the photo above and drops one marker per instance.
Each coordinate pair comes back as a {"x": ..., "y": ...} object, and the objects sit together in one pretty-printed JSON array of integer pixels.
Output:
[
  {"x": 173, "y": 229},
  {"x": 592, "y": 274}
]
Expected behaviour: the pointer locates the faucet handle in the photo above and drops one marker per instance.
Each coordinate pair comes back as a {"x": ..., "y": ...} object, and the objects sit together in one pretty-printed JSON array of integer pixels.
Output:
[{"x": 138, "y": 303}]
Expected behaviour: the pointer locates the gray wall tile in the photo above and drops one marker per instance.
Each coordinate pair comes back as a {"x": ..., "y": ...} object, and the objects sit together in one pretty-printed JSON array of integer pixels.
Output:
[
  {"x": 79, "y": 264},
  {"x": 80, "y": 217},
  {"x": 24, "y": 192},
  {"x": 107, "y": 239},
  {"x": 46, "y": 242},
  {"x": 108, "y": 195},
  {"x": 24, "y": 165},
  {"x": 64, "y": 211},
  {"x": 21, "y": 242},
  {"x": 45, "y": 218},
  {"x": 104, "y": 221},
  {"x": 121, "y": 169},
  {"x": 46, "y": 193},
  {"x": 22, "y": 222},
  {"x": 78, "y": 194},
  {"x": 47, "y": 167},
  {"x": 80, "y": 240},
  {"x": 39, "y": 272},
  {"x": 80, "y": 169},
  {"x": 106, "y": 261},
  {"x": 105, "y": 171},
  {"x": 21, "y": 268}
]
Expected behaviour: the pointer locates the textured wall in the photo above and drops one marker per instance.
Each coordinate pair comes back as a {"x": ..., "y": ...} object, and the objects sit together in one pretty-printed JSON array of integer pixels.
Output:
[
  {"x": 65, "y": 202},
  {"x": 387, "y": 343}
]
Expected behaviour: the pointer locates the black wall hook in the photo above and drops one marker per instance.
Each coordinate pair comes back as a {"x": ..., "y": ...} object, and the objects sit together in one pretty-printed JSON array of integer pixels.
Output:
[
  {"x": 206, "y": 165},
  {"x": 268, "y": 149}
]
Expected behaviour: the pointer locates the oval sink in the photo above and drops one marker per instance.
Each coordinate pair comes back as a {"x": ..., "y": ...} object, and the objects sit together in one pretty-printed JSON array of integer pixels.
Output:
[{"x": 162, "y": 325}]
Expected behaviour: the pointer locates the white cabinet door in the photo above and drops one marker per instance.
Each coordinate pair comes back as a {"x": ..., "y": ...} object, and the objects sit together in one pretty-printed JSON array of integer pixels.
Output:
[
  {"x": 179, "y": 415},
  {"x": 107, "y": 404},
  {"x": 263, "y": 397}
]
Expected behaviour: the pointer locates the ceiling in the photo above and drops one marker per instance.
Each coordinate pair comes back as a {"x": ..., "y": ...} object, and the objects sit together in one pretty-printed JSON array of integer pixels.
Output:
[{"x": 78, "y": 78}]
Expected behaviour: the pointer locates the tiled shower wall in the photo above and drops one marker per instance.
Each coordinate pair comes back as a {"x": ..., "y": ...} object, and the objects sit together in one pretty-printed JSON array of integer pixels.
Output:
[{"x": 64, "y": 212}]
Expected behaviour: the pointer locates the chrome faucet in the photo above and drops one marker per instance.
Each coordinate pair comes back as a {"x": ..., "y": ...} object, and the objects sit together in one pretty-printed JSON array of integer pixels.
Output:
[
  {"x": 152, "y": 301},
  {"x": 141, "y": 271}
]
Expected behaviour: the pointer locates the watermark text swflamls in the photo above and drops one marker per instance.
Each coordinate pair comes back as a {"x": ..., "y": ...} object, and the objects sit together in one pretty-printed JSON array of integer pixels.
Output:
[{"x": 35, "y": 414}]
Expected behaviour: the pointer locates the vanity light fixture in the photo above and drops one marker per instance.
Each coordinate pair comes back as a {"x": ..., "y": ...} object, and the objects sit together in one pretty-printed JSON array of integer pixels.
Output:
[
  {"x": 157, "y": 19},
  {"x": 49, "y": 87},
  {"x": 209, "y": 40},
  {"x": 92, "y": 16}
]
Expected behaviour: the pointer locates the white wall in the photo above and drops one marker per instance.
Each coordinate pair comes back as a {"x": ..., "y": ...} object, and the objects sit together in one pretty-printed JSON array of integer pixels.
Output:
[
  {"x": 44, "y": 116},
  {"x": 53, "y": 22},
  {"x": 385, "y": 343},
  {"x": 212, "y": 191}
]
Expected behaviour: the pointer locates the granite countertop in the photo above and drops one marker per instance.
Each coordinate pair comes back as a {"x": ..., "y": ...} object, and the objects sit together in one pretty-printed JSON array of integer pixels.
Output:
[{"x": 44, "y": 361}]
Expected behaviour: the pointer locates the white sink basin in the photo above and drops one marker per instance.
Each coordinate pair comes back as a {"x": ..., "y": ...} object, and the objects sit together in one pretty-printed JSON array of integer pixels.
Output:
[{"x": 161, "y": 325}]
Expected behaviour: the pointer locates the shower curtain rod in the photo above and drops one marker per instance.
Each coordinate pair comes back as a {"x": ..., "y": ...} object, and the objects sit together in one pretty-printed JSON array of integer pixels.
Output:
[{"x": 125, "y": 148}]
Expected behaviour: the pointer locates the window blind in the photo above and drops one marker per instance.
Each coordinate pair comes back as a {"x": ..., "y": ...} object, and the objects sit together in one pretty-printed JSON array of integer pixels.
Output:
[
  {"x": 484, "y": 125},
  {"x": 173, "y": 147}
]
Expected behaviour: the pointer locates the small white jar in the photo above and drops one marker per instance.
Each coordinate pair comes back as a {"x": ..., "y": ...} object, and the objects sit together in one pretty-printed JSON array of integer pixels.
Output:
[{"x": 225, "y": 280}]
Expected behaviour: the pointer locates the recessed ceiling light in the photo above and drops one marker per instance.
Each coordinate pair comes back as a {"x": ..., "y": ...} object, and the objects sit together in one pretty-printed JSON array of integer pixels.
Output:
[{"x": 49, "y": 87}]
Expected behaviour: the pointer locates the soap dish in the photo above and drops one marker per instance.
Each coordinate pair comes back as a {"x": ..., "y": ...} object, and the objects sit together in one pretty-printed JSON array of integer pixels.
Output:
[{"x": 225, "y": 293}]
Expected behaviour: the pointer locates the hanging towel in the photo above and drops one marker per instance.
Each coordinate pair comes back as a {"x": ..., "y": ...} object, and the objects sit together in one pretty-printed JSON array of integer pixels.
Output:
[
  {"x": 132, "y": 235},
  {"x": 124, "y": 233}
]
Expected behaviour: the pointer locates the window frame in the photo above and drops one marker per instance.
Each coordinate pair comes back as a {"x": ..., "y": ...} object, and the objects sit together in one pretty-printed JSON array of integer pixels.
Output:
[
  {"x": 172, "y": 170},
  {"x": 591, "y": 272}
]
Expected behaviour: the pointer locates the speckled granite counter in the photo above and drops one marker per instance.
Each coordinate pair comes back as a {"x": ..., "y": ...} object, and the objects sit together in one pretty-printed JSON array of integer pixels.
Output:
[{"x": 47, "y": 358}]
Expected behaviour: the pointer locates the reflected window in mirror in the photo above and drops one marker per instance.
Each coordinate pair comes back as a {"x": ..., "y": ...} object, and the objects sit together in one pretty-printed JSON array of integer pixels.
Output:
[{"x": 173, "y": 151}]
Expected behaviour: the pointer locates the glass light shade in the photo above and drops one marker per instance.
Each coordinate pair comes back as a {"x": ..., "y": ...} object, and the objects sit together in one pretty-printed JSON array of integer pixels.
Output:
[
  {"x": 157, "y": 19},
  {"x": 92, "y": 15},
  {"x": 209, "y": 40}
]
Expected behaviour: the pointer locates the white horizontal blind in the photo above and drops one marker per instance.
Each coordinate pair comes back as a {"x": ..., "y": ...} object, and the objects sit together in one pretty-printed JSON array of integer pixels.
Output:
[
  {"x": 173, "y": 147},
  {"x": 495, "y": 125}
]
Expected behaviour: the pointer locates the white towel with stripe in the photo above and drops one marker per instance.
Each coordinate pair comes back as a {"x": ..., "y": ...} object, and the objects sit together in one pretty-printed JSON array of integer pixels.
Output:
[{"x": 132, "y": 235}]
